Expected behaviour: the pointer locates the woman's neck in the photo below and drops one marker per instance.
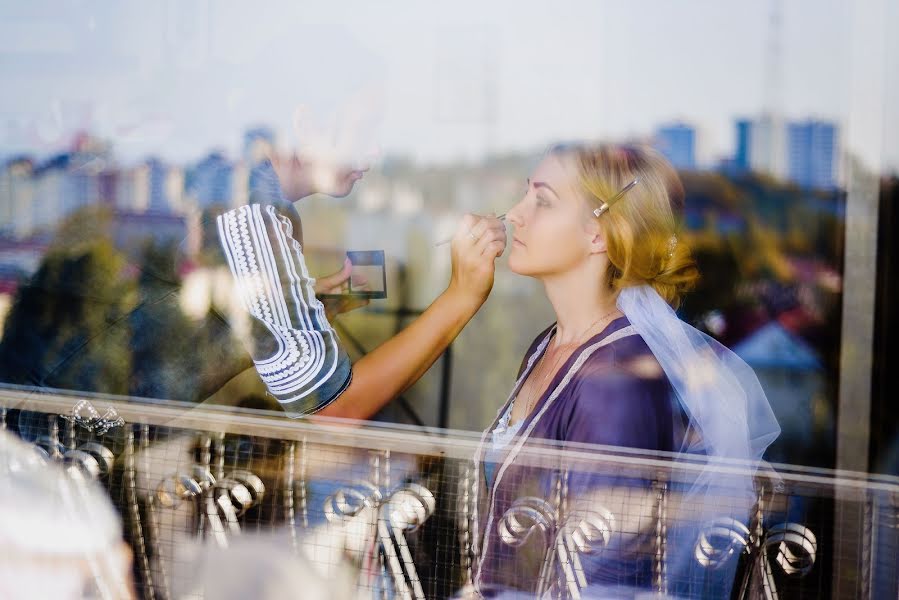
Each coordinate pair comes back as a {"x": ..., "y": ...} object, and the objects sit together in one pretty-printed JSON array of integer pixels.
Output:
[{"x": 582, "y": 302}]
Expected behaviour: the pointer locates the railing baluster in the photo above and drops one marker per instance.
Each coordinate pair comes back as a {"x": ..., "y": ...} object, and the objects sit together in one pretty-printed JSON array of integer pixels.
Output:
[
  {"x": 133, "y": 500},
  {"x": 660, "y": 559},
  {"x": 465, "y": 541},
  {"x": 289, "y": 450}
]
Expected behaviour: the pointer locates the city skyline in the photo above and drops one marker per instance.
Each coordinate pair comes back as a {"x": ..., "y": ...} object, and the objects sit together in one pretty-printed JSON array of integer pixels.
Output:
[
  {"x": 89, "y": 171},
  {"x": 677, "y": 140}
]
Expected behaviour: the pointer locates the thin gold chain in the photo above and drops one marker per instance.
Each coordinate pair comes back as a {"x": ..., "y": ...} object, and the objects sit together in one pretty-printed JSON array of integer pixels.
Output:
[{"x": 539, "y": 389}]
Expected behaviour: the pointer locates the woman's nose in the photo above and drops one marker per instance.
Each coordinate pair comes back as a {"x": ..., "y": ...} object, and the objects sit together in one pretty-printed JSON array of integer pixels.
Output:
[{"x": 514, "y": 215}]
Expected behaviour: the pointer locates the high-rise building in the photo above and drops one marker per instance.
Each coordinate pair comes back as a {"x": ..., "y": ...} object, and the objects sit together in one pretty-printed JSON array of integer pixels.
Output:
[
  {"x": 744, "y": 144},
  {"x": 133, "y": 193},
  {"x": 51, "y": 193},
  {"x": 157, "y": 195},
  {"x": 812, "y": 153},
  {"x": 766, "y": 146},
  {"x": 677, "y": 142},
  {"x": 209, "y": 182},
  {"x": 804, "y": 152},
  {"x": 16, "y": 194}
]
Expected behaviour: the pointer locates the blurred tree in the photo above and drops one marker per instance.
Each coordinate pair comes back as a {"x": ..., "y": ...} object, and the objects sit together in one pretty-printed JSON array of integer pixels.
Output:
[
  {"x": 166, "y": 358},
  {"x": 62, "y": 330}
]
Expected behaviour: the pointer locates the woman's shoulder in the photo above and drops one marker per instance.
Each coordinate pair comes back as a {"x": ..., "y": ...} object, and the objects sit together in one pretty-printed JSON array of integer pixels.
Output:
[
  {"x": 619, "y": 350},
  {"x": 623, "y": 364}
]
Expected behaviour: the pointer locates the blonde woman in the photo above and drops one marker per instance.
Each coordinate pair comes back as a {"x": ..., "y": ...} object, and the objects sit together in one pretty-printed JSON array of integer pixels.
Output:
[{"x": 598, "y": 227}]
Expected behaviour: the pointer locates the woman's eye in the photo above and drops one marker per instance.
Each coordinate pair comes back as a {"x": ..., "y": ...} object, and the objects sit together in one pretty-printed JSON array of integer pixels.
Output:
[{"x": 542, "y": 202}]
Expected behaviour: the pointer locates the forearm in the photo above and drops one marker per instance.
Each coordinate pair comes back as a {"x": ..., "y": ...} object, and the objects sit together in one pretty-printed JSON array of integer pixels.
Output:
[{"x": 395, "y": 365}]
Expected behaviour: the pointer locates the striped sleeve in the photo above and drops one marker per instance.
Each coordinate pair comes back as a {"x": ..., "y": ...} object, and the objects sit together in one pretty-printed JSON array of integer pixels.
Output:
[{"x": 295, "y": 350}]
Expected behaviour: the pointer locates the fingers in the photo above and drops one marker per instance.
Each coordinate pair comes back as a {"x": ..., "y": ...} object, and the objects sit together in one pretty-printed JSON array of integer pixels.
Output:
[
  {"x": 339, "y": 306},
  {"x": 486, "y": 236},
  {"x": 481, "y": 227},
  {"x": 335, "y": 280},
  {"x": 493, "y": 241},
  {"x": 475, "y": 226},
  {"x": 475, "y": 246},
  {"x": 494, "y": 249},
  {"x": 359, "y": 282},
  {"x": 464, "y": 232}
]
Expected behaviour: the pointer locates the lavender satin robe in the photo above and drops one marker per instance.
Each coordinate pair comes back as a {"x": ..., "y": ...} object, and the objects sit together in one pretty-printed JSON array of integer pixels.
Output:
[{"x": 611, "y": 391}]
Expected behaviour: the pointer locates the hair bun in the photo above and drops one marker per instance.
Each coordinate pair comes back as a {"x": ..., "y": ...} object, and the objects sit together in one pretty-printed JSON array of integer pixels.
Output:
[{"x": 678, "y": 273}]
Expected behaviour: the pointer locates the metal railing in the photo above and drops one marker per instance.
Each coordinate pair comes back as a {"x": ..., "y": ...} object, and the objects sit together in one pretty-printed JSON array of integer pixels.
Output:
[{"x": 396, "y": 503}]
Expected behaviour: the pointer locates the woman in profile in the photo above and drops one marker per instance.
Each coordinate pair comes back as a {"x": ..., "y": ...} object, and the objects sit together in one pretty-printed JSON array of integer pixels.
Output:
[{"x": 598, "y": 227}]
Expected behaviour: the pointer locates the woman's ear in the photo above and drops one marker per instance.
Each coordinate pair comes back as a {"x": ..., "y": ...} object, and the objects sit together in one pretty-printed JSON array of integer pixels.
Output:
[{"x": 598, "y": 241}]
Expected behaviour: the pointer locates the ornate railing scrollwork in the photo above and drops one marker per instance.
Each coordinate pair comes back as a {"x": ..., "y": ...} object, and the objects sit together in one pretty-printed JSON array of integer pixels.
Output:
[
  {"x": 587, "y": 534},
  {"x": 174, "y": 489},
  {"x": 796, "y": 550},
  {"x": 405, "y": 510},
  {"x": 797, "y": 547},
  {"x": 526, "y": 516},
  {"x": 579, "y": 533},
  {"x": 91, "y": 459},
  {"x": 235, "y": 494},
  {"x": 348, "y": 502},
  {"x": 218, "y": 502},
  {"x": 719, "y": 541}
]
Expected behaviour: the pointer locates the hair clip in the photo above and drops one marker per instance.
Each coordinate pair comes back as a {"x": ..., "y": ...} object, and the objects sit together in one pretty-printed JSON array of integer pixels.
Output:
[{"x": 605, "y": 205}]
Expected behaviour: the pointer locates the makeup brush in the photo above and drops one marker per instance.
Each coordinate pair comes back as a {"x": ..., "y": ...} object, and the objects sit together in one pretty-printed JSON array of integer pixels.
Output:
[{"x": 502, "y": 217}]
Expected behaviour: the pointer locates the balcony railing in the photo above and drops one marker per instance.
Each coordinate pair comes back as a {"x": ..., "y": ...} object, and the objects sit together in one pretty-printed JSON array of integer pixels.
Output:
[{"x": 391, "y": 507}]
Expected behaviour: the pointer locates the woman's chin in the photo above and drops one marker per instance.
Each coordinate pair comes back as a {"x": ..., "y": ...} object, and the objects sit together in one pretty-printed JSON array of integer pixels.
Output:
[{"x": 518, "y": 266}]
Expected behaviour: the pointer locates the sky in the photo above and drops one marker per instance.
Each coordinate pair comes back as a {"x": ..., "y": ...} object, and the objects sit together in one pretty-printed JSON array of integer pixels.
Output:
[{"x": 440, "y": 81}]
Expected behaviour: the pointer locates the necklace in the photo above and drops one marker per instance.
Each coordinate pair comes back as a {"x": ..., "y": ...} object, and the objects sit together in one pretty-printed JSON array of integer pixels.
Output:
[{"x": 540, "y": 387}]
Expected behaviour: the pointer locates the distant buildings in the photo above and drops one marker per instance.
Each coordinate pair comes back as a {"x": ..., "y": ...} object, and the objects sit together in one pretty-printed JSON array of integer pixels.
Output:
[
  {"x": 165, "y": 187},
  {"x": 803, "y": 152},
  {"x": 677, "y": 142},
  {"x": 741, "y": 156},
  {"x": 16, "y": 197},
  {"x": 209, "y": 182},
  {"x": 811, "y": 153}
]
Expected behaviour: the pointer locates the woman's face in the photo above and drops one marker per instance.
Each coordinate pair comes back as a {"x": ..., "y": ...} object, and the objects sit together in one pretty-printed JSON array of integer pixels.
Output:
[
  {"x": 299, "y": 178},
  {"x": 553, "y": 232}
]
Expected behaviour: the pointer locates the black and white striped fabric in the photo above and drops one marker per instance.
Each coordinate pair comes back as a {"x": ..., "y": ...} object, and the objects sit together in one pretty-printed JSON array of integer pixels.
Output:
[{"x": 295, "y": 350}]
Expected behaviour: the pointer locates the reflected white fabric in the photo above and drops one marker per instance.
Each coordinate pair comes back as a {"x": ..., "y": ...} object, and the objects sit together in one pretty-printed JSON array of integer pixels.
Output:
[{"x": 720, "y": 393}]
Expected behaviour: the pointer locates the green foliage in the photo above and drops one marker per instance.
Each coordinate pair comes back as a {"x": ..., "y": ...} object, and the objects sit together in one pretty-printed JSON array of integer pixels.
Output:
[{"x": 65, "y": 326}]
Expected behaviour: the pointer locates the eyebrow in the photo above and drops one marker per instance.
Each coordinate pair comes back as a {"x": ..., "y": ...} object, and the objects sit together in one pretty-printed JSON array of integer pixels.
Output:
[{"x": 543, "y": 184}]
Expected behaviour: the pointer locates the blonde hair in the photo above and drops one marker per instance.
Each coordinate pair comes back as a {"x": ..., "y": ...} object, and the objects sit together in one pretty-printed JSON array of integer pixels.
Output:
[{"x": 640, "y": 228}]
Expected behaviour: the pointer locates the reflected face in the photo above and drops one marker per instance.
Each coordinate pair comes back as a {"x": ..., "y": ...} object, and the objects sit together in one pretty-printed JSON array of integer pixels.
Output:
[
  {"x": 335, "y": 181},
  {"x": 300, "y": 178},
  {"x": 553, "y": 231}
]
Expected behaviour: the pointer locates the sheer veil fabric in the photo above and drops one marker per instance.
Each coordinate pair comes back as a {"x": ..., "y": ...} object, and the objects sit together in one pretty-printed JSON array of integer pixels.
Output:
[{"x": 729, "y": 426}]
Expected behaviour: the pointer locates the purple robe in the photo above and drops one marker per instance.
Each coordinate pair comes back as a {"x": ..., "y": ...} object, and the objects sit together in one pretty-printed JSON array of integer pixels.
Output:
[{"x": 610, "y": 391}]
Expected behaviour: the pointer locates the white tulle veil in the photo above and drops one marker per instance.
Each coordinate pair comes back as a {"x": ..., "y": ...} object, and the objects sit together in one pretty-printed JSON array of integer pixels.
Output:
[{"x": 729, "y": 424}]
